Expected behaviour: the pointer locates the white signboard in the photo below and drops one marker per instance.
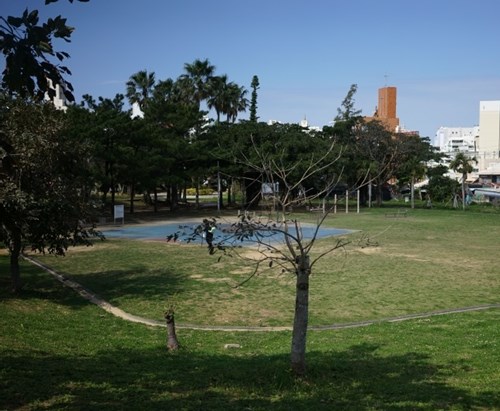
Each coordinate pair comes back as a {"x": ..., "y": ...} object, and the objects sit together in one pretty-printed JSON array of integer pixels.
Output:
[{"x": 119, "y": 212}]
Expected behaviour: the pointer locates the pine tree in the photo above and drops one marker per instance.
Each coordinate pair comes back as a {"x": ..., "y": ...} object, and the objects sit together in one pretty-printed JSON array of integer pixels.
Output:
[{"x": 253, "y": 102}]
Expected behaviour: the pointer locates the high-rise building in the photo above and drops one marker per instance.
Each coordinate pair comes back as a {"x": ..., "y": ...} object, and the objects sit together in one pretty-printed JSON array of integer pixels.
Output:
[
  {"x": 488, "y": 142},
  {"x": 489, "y": 126}
]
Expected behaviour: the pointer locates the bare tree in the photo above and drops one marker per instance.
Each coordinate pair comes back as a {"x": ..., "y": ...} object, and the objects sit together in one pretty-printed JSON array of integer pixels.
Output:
[{"x": 279, "y": 237}]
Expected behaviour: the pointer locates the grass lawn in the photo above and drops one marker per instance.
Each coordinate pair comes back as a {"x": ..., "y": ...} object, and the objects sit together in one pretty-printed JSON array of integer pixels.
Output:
[
  {"x": 430, "y": 260},
  {"x": 58, "y": 352}
]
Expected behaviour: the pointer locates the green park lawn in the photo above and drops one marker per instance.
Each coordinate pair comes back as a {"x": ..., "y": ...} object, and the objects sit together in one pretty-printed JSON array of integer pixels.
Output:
[{"x": 59, "y": 352}]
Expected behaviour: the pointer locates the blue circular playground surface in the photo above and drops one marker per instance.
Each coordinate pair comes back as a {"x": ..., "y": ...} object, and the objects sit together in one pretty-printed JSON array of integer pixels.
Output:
[{"x": 183, "y": 231}]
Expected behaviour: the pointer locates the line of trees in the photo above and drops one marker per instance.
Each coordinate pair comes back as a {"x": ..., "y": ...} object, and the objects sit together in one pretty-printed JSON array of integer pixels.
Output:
[{"x": 173, "y": 145}]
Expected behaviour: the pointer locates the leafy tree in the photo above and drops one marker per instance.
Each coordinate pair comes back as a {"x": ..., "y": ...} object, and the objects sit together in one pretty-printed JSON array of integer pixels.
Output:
[
  {"x": 173, "y": 125},
  {"x": 32, "y": 67},
  {"x": 44, "y": 200},
  {"x": 107, "y": 127},
  {"x": 414, "y": 154},
  {"x": 462, "y": 164},
  {"x": 253, "y": 102},
  {"x": 379, "y": 149},
  {"x": 351, "y": 166},
  {"x": 43, "y": 193},
  {"x": 441, "y": 188},
  {"x": 136, "y": 164},
  {"x": 347, "y": 111}
]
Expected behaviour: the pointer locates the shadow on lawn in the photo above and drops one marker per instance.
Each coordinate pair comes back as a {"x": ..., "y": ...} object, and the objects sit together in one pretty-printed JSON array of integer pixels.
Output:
[
  {"x": 140, "y": 281},
  {"x": 354, "y": 379}
]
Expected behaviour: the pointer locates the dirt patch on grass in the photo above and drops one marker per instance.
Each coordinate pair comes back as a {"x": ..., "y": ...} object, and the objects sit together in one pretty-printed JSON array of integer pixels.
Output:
[
  {"x": 252, "y": 254},
  {"x": 370, "y": 250},
  {"x": 213, "y": 280},
  {"x": 412, "y": 257},
  {"x": 97, "y": 246}
]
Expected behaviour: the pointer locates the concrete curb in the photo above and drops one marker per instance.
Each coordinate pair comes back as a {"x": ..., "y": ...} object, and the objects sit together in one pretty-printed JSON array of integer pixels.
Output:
[{"x": 117, "y": 312}]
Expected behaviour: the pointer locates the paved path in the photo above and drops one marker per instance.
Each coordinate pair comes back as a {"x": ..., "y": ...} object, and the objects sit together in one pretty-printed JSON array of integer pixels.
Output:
[{"x": 87, "y": 294}]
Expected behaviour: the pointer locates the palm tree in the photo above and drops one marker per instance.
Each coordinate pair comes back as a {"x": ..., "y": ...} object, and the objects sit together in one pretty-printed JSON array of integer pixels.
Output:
[
  {"x": 462, "y": 164},
  {"x": 226, "y": 98},
  {"x": 164, "y": 90},
  {"x": 236, "y": 101},
  {"x": 199, "y": 74},
  {"x": 218, "y": 89},
  {"x": 140, "y": 88}
]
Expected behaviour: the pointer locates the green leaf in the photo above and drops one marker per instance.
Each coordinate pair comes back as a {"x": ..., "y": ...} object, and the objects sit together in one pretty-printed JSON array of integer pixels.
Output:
[
  {"x": 33, "y": 17},
  {"x": 15, "y": 21},
  {"x": 45, "y": 47}
]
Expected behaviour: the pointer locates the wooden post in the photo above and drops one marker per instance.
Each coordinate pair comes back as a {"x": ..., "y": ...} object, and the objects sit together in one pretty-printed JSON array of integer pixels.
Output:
[
  {"x": 346, "y": 201},
  {"x": 335, "y": 204},
  {"x": 358, "y": 203}
]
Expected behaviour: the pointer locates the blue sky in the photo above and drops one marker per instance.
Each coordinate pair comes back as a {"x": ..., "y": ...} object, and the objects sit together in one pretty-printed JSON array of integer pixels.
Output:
[{"x": 442, "y": 55}]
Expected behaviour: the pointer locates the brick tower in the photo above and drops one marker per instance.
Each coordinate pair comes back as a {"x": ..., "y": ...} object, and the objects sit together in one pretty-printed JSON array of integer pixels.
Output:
[
  {"x": 386, "y": 109},
  {"x": 387, "y": 102}
]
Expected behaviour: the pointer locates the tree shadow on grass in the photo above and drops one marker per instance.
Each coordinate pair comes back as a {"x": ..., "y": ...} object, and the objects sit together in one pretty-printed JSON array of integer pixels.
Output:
[
  {"x": 140, "y": 281},
  {"x": 136, "y": 282},
  {"x": 154, "y": 379}
]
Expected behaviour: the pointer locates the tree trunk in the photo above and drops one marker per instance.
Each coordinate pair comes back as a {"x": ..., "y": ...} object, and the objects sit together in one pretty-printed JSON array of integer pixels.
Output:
[
  {"x": 253, "y": 189},
  {"x": 412, "y": 192},
  {"x": 172, "y": 343},
  {"x": 155, "y": 202},
  {"x": 15, "y": 252},
  {"x": 363, "y": 198},
  {"x": 229, "y": 193},
  {"x": 464, "y": 176},
  {"x": 379, "y": 193},
  {"x": 174, "y": 197},
  {"x": 298, "y": 354},
  {"x": 112, "y": 197},
  {"x": 220, "y": 199},
  {"x": 169, "y": 194},
  {"x": 197, "y": 196},
  {"x": 132, "y": 195},
  {"x": 370, "y": 194}
]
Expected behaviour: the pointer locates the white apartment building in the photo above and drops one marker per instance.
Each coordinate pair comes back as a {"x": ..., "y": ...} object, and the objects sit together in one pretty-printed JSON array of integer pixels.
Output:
[
  {"x": 457, "y": 139},
  {"x": 481, "y": 142},
  {"x": 59, "y": 100}
]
